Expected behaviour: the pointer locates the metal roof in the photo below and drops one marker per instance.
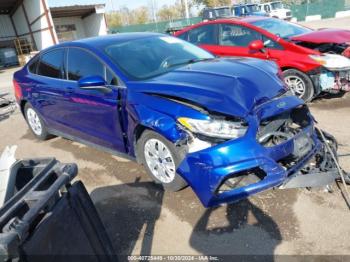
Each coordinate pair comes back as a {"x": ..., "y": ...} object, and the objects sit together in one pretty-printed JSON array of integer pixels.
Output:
[
  {"x": 6, "y": 6},
  {"x": 73, "y": 10},
  {"x": 65, "y": 3}
]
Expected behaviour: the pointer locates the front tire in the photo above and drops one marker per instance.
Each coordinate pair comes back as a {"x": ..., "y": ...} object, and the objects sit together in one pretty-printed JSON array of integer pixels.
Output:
[
  {"x": 300, "y": 84},
  {"x": 161, "y": 158},
  {"x": 35, "y": 123}
]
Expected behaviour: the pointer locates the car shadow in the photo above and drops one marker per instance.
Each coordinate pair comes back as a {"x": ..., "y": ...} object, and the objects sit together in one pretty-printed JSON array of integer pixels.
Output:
[
  {"x": 129, "y": 213},
  {"x": 131, "y": 210},
  {"x": 247, "y": 234}
]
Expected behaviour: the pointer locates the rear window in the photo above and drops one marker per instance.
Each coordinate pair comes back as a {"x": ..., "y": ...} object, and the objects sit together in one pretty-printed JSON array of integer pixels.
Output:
[
  {"x": 51, "y": 64},
  {"x": 32, "y": 67}
]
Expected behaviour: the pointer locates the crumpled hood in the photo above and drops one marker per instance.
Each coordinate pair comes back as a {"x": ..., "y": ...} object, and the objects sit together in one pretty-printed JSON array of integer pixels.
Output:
[
  {"x": 230, "y": 86},
  {"x": 329, "y": 35}
]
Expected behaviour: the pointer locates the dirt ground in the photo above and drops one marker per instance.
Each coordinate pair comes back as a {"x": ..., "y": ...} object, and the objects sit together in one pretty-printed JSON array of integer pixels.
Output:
[{"x": 143, "y": 219}]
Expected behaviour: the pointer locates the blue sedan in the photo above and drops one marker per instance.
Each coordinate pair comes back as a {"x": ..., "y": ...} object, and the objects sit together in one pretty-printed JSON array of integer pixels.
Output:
[{"x": 229, "y": 128}]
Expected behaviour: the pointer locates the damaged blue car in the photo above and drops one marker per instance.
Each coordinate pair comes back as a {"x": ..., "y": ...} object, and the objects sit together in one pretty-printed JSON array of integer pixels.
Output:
[{"x": 229, "y": 128}]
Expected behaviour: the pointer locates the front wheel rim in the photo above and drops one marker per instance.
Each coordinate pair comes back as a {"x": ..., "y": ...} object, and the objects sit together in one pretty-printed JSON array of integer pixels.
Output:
[
  {"x": 159, "y": 160},
  {"x": 34, "y": 121},
  {"x": 296, "y": 84}
]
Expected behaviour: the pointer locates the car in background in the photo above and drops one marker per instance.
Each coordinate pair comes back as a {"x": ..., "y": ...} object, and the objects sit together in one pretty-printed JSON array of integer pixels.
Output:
[
  {"x": 216, "y": 13},
  {"x": 276, "y": 9},
  {"x": 311, "y": 61},
  {"x": 247, "y": 10},
  {"x": 188, "y": 117},
  {"x": 234, "y": 11}
]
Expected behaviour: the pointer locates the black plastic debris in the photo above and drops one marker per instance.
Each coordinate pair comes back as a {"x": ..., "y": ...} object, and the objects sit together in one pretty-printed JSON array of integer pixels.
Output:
[
  {"x": 7, "y": 106},
  {"x": 46, "y": 218}
]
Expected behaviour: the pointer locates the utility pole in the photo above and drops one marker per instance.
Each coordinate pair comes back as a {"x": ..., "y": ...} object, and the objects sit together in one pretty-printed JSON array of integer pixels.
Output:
[{"x": 186, "y": 9}]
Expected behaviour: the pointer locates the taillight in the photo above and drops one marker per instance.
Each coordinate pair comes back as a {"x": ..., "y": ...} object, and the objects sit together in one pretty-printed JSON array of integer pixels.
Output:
[{"x": 18, "y": 90}]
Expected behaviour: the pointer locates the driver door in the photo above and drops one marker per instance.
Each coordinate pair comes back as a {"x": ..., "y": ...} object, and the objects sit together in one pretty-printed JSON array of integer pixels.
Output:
[
  {"x": 234, "y": 40},
  {"x": 93, "y": 115}
]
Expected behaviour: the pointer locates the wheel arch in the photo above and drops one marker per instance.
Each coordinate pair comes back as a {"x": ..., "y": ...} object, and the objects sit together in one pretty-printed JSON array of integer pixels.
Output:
[{"x": 22, "y": 105}]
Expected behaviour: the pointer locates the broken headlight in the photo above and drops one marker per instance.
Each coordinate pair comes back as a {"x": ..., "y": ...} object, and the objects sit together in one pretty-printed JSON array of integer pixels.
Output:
[
  {"x": 332, "y": 61},
  {"x": 217, "y": 128}
]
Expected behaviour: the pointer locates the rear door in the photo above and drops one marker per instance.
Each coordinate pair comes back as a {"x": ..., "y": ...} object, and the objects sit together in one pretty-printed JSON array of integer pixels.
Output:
[
  {"x": 93, "y": 115},
  {"x": 47, "y": 94}
]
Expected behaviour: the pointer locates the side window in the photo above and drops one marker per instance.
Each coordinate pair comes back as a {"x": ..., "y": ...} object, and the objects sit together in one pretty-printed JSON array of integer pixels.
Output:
[
  {"x": 269, "y": 43},
  {"x": 234, "y": 35},
  {"x": 111, "y": 79},
  {"x": 81, "y": 64},
  {"x": 203, "y": 35},
  {"x": 267, "y": 8},
  {"x": 51, "y": 64},
  {"x": 183, "y": 36},
  {"x": 34, "y": 65}
]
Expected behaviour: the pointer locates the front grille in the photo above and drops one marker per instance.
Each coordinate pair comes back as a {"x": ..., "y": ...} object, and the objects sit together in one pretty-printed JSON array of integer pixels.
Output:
[
  {"x": 278, "y": 129},
  {"x": 288, "y": 13}
]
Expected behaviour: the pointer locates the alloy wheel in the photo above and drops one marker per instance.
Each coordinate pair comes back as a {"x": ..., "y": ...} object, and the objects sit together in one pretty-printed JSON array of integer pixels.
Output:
[
  {"x": 159, "y": 160},
  {"x": 34, "y": 121},
  {"x": 296, "y": 84}
]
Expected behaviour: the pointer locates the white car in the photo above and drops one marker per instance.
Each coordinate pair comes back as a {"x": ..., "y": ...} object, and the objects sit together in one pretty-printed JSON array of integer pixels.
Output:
[{"x": 276, "y": 9}]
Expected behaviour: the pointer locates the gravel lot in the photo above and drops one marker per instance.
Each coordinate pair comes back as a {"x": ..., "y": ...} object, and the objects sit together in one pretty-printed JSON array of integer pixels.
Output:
[{"x": 142, "y": 218}]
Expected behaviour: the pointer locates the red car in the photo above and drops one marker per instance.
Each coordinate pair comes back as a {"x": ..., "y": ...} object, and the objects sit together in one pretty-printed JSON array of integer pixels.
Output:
[{"x": 311, "y": 61}]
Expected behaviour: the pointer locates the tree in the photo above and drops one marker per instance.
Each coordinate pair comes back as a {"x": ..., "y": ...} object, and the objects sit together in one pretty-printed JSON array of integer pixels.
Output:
[
  {"x": 140, "y": 15},
  {"x": 175, "y": 11},
  {"x": 114, "y": 19},
  {"x": 124, "y": 16},
  {"x": 213, "y": 3}
]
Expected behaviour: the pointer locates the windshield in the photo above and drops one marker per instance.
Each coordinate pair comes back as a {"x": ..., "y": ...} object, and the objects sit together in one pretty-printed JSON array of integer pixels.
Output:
[
  {"x": 276, "y": 5},
  {"x": 222, "y": 12},
  {"x": 253, "y": 8},
  {"x": 151, "y": 56},
  {"x": 281, "y": 28}
]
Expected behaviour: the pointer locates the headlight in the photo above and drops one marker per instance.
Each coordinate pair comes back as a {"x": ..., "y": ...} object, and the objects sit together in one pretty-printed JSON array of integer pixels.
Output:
[
  {"x": 214, "y": 127},
  {"x": 332, "y": 61},
  {"x": 319, "y": 59}
]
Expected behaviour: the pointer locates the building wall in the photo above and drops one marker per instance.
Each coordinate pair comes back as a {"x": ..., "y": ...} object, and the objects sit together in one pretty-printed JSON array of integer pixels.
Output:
[
  {"x": 95, "y": 25},
  {"x": 74, "y": 20},
  {"x": 40, "y": 28},
  {"x": 6, "y": 29}
]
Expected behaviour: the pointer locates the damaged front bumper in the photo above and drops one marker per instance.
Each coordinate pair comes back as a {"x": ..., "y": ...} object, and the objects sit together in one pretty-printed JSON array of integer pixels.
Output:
[
  {"x": 236, "y": 169},
  {"x": 331, "y": 81},
  {"x": 206, "y": 171}
]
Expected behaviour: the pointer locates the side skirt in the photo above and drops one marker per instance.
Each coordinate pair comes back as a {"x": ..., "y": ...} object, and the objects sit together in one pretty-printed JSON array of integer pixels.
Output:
[{"x": 93, "y": 145}]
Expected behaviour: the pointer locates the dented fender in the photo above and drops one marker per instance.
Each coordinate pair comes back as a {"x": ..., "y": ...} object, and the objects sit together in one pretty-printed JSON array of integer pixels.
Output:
[{"x": 152, "y": 111}]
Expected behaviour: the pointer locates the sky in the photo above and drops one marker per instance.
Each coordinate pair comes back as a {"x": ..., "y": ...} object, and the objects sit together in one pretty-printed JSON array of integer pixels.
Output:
[{"x": 111, "y": 4}]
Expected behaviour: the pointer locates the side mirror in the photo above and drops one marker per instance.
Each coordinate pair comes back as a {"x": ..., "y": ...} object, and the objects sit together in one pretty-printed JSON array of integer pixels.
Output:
[
  {"x": 256, "y": 46},
  {"x": 92, "y": 83}
]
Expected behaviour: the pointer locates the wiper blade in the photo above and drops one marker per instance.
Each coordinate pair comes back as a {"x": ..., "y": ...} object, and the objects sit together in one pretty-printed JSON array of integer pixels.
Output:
[{"x": 189, "y": 61}]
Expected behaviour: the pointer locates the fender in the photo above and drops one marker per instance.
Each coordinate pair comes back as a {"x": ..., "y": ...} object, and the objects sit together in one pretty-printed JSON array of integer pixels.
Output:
[{"x": 152, "y": 111}]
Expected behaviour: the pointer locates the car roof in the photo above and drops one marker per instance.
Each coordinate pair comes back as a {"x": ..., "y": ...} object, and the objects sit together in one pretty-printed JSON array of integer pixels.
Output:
[{"x": 107, "y": 39}]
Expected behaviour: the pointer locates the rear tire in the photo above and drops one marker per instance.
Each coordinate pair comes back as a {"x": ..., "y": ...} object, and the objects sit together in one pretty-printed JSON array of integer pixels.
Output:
[
  {"x": 35, "y": 123},
  {"x": 161, "y": 158},
  {"x": 300, "y": 84}
]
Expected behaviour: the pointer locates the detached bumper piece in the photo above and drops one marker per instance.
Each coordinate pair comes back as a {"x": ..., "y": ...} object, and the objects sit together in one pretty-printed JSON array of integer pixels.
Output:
[
  {"x": 7, "y": 107},
  {"x": 45, "y": 217}
]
